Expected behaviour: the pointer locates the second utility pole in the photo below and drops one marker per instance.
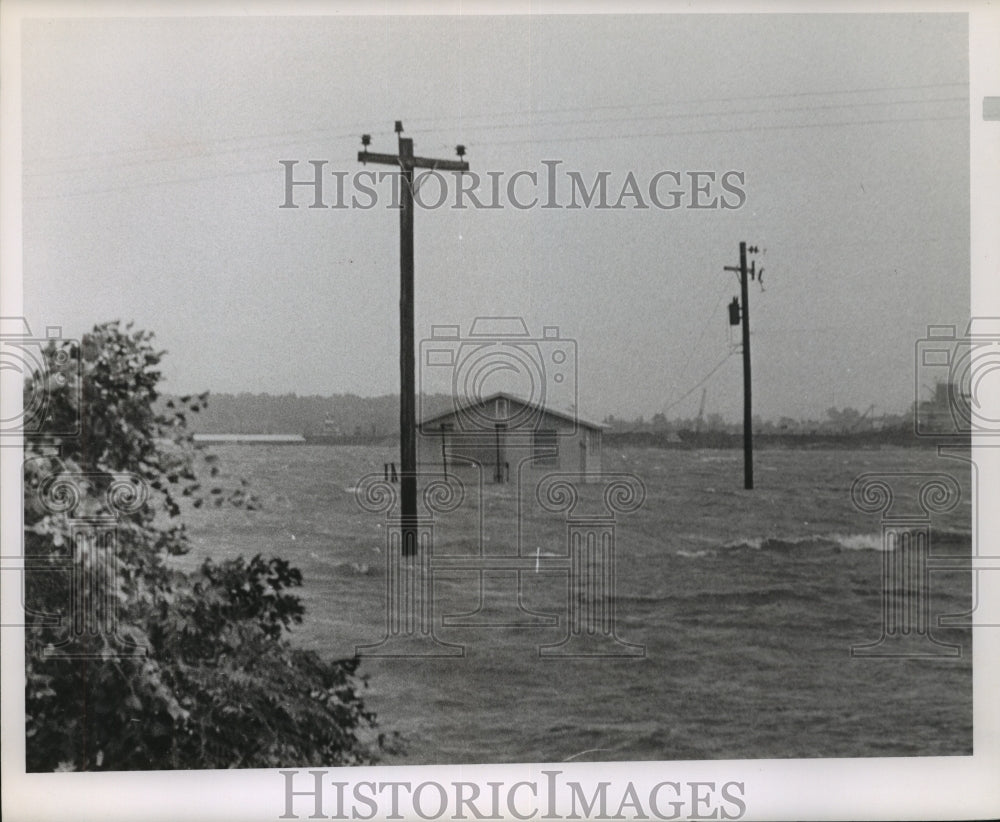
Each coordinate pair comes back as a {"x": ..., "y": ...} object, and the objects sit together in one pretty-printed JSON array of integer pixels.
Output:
[
  {"x": 407, "y": 389},
  {"x": 743, "y": 271}
]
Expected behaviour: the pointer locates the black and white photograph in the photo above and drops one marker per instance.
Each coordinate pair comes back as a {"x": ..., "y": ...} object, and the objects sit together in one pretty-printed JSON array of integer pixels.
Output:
[{"x": 499, "y": 411}]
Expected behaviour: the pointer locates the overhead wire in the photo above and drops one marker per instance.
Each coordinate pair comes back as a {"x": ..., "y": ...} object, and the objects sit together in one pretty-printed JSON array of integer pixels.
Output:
[
  {"x": 704, "y": 328},
  {"x": 699, "y": 132},
  {"x": 700, "y": 383},
  {"x": 324, "y": 133},
  {"x": 697, "y": 114},
  {"x": 687, "y": 100},
  {"x": 535, "y": 139},
  {"x": 690, "y": 355}
]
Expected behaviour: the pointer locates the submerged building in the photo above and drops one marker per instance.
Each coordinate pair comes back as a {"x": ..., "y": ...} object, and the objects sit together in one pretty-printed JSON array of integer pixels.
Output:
[{"x": 502, "y": 433}]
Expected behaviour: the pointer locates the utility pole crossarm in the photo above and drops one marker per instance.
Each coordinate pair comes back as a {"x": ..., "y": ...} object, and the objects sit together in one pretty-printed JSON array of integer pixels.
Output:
[
  {"x": 412, "y": 162},
  {"x": 439, "y": 165},
  {"x": 375, "y": 157}
]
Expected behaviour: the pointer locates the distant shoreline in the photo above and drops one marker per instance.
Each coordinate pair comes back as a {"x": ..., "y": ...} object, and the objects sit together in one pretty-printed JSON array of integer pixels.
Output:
[
  {"x": 727, "y": 440},
  {"x": 683, "y": 440},
  {"x": 272, "y": 439}
]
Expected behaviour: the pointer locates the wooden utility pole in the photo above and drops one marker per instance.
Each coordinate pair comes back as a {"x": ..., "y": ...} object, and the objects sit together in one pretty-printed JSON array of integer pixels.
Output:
[
  {"x": 406, "y": 162},
  {"x": 498, "y": 472},
  {"x": 743, "y": 271}
]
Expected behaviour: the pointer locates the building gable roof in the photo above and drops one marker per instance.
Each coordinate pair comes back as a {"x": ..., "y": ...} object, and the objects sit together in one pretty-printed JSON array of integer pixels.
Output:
[{"x": 555, "y": 412}]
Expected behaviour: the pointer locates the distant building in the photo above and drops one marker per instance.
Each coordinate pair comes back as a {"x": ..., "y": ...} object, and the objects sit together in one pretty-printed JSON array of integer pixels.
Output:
[{"x": 503, "y": 431}]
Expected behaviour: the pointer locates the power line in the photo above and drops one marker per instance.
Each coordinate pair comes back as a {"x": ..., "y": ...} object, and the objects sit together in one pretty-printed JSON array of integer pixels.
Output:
[
  {"x": 685, "y": 101},
  {"x": 696, "y": 114},
  {"x": 196, "y": 143},
  {"x": 566, "y": 110},
  {"x": 148, "y": 184},
  {"x": 704, "y": 328},
  {"x": 176, "y": 157},
  {"x": 198, "y": 155},
  {"x": 741, "y": 130},
  {"x": 201, "y": 155},
  {"x": 700, "y": 383}
]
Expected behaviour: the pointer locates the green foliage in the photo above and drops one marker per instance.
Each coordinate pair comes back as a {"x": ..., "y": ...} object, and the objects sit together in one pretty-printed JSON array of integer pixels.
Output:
[{"x": 199, "y": 672}]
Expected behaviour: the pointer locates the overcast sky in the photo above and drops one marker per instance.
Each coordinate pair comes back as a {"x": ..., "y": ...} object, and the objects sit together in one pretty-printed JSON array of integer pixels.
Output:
[{"x": 152, "y": 187}]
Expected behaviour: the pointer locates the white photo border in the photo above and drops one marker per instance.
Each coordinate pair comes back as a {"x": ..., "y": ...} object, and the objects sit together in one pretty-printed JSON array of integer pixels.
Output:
[{"x": 863, "y": 788}]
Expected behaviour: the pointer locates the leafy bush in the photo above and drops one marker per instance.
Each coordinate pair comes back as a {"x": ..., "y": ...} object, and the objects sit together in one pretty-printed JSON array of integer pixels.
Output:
[{"x": 218, "y": 684}]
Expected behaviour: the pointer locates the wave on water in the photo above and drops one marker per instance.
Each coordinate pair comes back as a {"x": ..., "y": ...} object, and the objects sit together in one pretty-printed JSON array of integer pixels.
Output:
[
  {"x": 834, "y": 541},
  {"x": 356, "y": 568},
  {"x": 848, "y": 542},
  {"x": 349, "y": 568}
]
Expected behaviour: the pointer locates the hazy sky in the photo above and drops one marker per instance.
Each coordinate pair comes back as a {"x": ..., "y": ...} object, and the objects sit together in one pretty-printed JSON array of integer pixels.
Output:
[{"x": 152, "y": 187}]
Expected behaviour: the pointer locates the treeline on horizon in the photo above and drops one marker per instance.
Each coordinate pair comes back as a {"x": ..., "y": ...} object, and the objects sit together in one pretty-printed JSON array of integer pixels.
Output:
[
  {"x": 340, "y": 415},
  {"x": 836, "y": 421},
  {"x": 353, "y": 416}
]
